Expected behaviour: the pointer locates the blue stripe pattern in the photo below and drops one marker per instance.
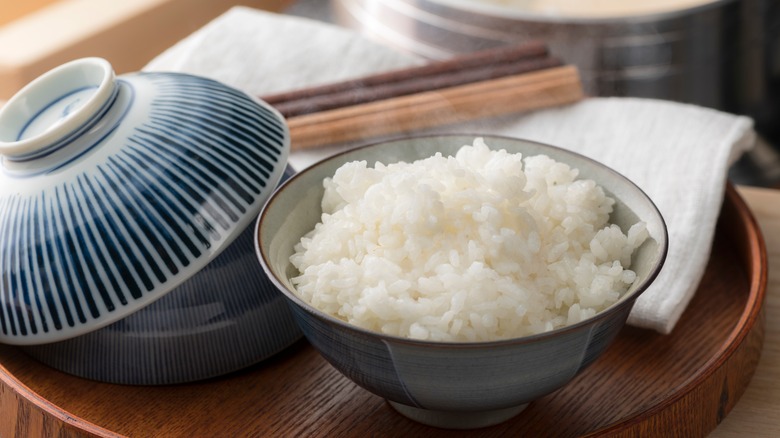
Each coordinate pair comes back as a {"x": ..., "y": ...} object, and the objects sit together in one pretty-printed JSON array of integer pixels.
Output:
[
  {"x": 118, "y": 230},
  {"x": 226, "y": 317}
]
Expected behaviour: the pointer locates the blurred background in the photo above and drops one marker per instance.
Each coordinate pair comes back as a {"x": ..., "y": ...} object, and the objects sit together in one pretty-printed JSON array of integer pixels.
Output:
[{"x": 723, "y": 54}]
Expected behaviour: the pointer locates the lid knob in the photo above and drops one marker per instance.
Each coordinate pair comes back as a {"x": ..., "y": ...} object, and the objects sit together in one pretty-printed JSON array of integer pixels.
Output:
[{"x": 53, "y": 107}]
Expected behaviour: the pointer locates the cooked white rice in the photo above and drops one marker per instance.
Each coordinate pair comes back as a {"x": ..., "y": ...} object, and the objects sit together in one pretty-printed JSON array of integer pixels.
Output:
[{"x": 485, "y": 245}]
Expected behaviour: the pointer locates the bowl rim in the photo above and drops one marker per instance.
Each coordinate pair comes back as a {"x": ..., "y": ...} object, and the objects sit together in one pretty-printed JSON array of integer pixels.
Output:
[{"x": 623, "y": 301}]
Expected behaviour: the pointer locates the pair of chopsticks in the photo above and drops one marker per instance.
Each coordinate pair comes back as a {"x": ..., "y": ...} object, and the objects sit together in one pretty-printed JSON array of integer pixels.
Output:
[{"x": 477, "y": 85}]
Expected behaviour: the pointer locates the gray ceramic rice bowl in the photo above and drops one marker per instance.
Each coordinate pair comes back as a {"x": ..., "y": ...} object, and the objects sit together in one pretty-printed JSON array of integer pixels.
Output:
[{"x": 453, "y": 385}]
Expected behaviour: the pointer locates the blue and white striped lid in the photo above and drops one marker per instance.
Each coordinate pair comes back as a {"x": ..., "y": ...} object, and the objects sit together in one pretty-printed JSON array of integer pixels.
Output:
[{"x": 114, "y": 190}]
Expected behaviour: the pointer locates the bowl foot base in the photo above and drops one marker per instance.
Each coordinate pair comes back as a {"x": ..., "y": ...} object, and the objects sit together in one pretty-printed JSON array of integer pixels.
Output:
[{"x": 457, "y": 419}]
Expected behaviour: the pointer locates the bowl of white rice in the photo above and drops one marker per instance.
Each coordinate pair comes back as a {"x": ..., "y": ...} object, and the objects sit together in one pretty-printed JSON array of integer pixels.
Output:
[{"x": 460, "y": 277}]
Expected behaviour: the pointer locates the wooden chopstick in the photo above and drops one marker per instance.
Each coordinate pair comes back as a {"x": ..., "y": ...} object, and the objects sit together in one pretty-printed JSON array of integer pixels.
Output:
[
  {"x": 469, "y": 67},
  {"x": 475, "y": 85},
  {"x": 412, "y": 85},
  {"x": 515, "y": 93}
]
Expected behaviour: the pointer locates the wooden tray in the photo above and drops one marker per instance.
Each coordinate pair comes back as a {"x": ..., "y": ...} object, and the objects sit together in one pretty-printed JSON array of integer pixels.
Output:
[{"x": 685, "y": 382}]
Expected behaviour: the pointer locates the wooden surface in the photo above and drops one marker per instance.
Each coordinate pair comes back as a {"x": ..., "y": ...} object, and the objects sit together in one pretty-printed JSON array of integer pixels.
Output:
[
  {"x": 129, "y": 33},
  {"x": 13, "y": 10},
  {"x": 685, "y": 382}
]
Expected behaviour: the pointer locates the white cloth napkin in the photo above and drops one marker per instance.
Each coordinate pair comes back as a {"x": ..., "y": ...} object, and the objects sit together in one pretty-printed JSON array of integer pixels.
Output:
[{"x": 679, "y": 154}]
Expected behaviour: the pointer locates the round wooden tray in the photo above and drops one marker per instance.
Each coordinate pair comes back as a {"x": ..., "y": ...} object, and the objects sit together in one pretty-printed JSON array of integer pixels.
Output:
[{"x": 684, "y": 383}]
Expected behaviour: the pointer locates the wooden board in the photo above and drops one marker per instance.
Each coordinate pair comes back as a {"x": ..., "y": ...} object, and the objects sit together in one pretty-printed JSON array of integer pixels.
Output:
[
  {"x": 14, "y": 10},
  {"x": 686, "y": 382},
  {"x": 38, "y": 35}
]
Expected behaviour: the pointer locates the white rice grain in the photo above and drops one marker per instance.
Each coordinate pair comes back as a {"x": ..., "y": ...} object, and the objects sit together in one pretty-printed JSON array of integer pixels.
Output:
[{"x": 484, "y": 245}]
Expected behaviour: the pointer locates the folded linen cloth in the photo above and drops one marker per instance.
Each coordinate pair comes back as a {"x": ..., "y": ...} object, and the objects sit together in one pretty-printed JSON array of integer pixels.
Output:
[{"x": 678, "y": 154}]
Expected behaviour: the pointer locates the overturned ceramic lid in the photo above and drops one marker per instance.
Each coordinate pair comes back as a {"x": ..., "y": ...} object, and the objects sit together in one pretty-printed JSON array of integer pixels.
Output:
[{"x": 114, "y": 190}]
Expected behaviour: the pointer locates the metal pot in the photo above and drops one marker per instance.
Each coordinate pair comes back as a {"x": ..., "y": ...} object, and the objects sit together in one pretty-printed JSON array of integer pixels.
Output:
[{"x": 720, "y": 55}]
